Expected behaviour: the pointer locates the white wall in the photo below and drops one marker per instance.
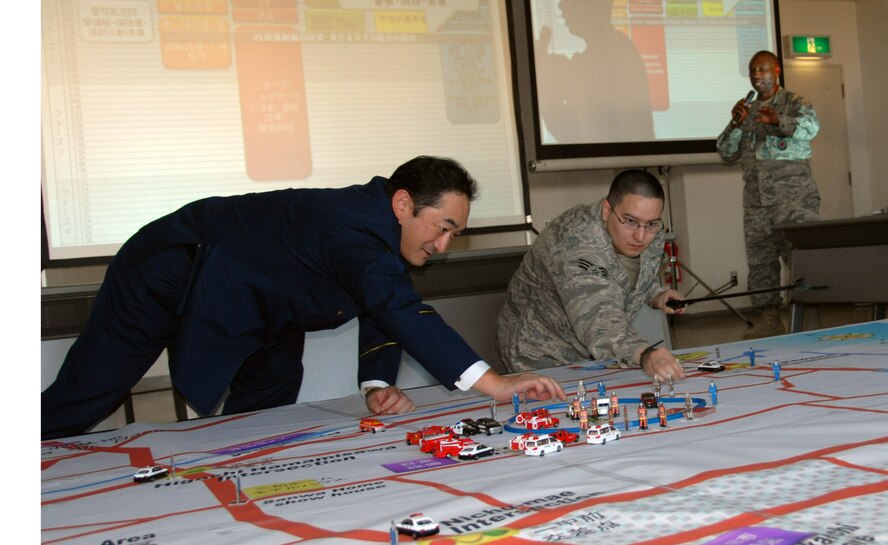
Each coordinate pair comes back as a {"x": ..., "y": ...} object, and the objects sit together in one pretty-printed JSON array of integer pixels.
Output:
[
  {"x": 872, "y": 23},
  {"x": 838, "y": 19}
]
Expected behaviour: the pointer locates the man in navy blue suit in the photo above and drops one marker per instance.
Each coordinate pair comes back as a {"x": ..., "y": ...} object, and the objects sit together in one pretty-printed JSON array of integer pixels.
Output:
[{"x": 230, "y": 285}]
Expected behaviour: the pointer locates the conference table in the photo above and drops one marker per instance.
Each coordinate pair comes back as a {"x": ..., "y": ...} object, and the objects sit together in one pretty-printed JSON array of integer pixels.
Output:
[{"x": 757, "y": 453}]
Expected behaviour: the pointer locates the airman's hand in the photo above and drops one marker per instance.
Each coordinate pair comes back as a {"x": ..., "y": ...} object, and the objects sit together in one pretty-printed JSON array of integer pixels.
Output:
[
  {"x": 659, "y": 302},
  {"x": 661, "y": 364},
  {"x": 739, "y": 112}
]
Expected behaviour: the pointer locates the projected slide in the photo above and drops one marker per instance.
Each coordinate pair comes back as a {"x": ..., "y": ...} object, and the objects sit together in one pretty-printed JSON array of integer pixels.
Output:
[
  {"x": 151, "y": 104},
  {"x": 643, "y": 70}
]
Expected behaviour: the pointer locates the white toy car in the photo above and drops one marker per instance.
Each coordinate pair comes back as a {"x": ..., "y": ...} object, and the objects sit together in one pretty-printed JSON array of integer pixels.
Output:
[
  {"x": 475, "y": 451},
  {"x": 150, "y": 473},
  {"x": 539, "y": 445},
  {"x": 711, "y": 366},
  {"x": 417, "y": 525},
  {"x": 599, "y": 435}
]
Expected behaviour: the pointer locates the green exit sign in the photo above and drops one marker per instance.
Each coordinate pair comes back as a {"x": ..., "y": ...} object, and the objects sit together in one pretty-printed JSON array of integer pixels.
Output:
[{"x": 811, "y": 47}]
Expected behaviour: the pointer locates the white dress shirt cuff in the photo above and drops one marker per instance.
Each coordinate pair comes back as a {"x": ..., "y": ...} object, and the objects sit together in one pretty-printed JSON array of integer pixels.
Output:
[
  {"x": 368, "y": 385},
  {"x": 470, "y": 376}
]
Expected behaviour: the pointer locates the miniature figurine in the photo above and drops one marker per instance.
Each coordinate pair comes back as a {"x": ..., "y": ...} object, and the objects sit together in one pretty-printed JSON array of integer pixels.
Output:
[
  {"x": 776, "y": 368},
  {"x": 642, "y": 417},
  {"x": 713, "y": 393},
  {"x": 615, "y": 404},
  {"x": 661, "y": 413},
  {"x": 671, "y": 384},
  {"x": 584, "y": 418},
  {"x": 751, "y": 357},
  {"x": 689, "y": 407},
  {"x": 581, "y": 391},
  {"x": 655, "y": 387},
  {"x": 593, "y": 404},
  {"x": 601, "y": 391},
  {"x": 516, "y": 403},
  {"x": 626, "y": 417}
]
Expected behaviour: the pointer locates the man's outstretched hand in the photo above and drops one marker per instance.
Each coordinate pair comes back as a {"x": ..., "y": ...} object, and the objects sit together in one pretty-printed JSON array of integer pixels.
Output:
[
  {"x": 388, "y": 400},
  {"x": 502, "y": 387}
]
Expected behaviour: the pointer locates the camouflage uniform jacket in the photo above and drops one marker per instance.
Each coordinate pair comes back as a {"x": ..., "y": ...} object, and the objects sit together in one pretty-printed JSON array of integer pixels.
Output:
[
  {"x": 775, "y": 158},
  {"x": 570, "y": 299}
]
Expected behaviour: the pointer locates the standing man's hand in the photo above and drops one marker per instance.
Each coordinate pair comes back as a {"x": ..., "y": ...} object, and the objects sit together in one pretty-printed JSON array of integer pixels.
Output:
[
  {"x": 660, "y": 364},
  {"x": 502, "y": 387},
  {"x": 659, "y": 302},
  {"x": 388, "y": 400},
  {"x": 767, "y": 115},
  {"x": 739, "y": 112}
]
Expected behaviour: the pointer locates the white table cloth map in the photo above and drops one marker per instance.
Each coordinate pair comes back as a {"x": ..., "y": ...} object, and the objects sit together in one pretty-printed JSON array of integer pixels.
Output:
[{"x": 805, "y": 451}]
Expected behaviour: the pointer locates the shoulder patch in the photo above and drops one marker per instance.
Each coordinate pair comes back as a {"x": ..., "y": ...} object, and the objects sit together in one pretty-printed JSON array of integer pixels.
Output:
[{"x": 592, "y": 269}]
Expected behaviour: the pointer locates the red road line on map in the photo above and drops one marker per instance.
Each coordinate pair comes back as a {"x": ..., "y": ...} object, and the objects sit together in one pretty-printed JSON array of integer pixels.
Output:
[
  {"x": 88, "y": 494},
  {"x": 118, "y": 524},
  {"x": 550, "y": 514},
  {"x": 849, "y": 465},
  {"x": 746, "y": 519},
  {"x": 249, "y": 513},
  {"x": 483, "y": 498},
  {"x": 843, "y": 408}
]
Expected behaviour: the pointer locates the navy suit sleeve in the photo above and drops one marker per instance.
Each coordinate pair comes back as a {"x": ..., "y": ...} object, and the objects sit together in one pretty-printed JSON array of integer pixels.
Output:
[
  {"x": 379, "y": 357},
  {"x": 379, "y": 281}
]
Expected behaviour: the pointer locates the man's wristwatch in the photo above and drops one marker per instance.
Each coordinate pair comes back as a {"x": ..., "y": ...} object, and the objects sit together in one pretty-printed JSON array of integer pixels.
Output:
[{"x": 645, "y": 353}]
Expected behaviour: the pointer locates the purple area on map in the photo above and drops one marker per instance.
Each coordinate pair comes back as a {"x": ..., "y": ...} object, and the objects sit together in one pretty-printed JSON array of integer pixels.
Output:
[
  {"x": 756, "y": 535},
  {"x": 419, "y": 463},
  {"x": 261, "y": 443}
]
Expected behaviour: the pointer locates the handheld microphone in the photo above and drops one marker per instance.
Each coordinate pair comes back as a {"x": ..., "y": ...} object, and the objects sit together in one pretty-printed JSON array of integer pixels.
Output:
[{"x": 750, "y": 96}]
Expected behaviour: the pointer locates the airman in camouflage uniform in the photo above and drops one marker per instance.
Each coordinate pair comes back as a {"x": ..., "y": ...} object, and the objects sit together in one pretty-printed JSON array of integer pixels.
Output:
[
  {"x": 572, "y": 300},
  {"x": 771, "y": 137}
]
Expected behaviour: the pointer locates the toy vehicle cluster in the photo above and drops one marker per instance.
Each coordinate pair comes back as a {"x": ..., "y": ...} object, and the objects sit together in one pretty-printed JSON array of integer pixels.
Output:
[
  {"x": 595, "y": 418},
  {"x": 596, "y": 424}
]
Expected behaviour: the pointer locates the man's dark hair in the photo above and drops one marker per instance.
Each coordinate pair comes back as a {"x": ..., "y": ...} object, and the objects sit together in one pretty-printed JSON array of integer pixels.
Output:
[
  {"x": 635, "y": 182},
  {"x": 766, "y": 53},
  {"x": 428, "y": 178}
]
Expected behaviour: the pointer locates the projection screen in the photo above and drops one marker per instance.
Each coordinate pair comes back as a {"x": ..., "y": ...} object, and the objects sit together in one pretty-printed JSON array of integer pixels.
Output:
[
  {"x": 641, "y": 82},
  {"x": 148, "y": 105}
]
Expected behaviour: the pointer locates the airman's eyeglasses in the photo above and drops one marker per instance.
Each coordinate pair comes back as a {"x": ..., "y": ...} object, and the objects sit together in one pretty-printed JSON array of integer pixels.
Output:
[{"x": 632, "y": 224}]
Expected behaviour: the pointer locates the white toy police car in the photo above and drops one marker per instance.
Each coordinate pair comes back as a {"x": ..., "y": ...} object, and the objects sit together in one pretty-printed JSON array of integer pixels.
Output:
[
  {"x": 474, "y": 451},
  {"x": 417, "y": 525},
  {"x": 150, "y": 473}
]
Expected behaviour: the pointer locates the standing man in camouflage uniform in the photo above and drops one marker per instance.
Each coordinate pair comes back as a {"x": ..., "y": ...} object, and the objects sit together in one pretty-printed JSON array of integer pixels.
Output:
[
  {"x": 583, "y": 281},
  {"x": 772, "y": 138}
]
